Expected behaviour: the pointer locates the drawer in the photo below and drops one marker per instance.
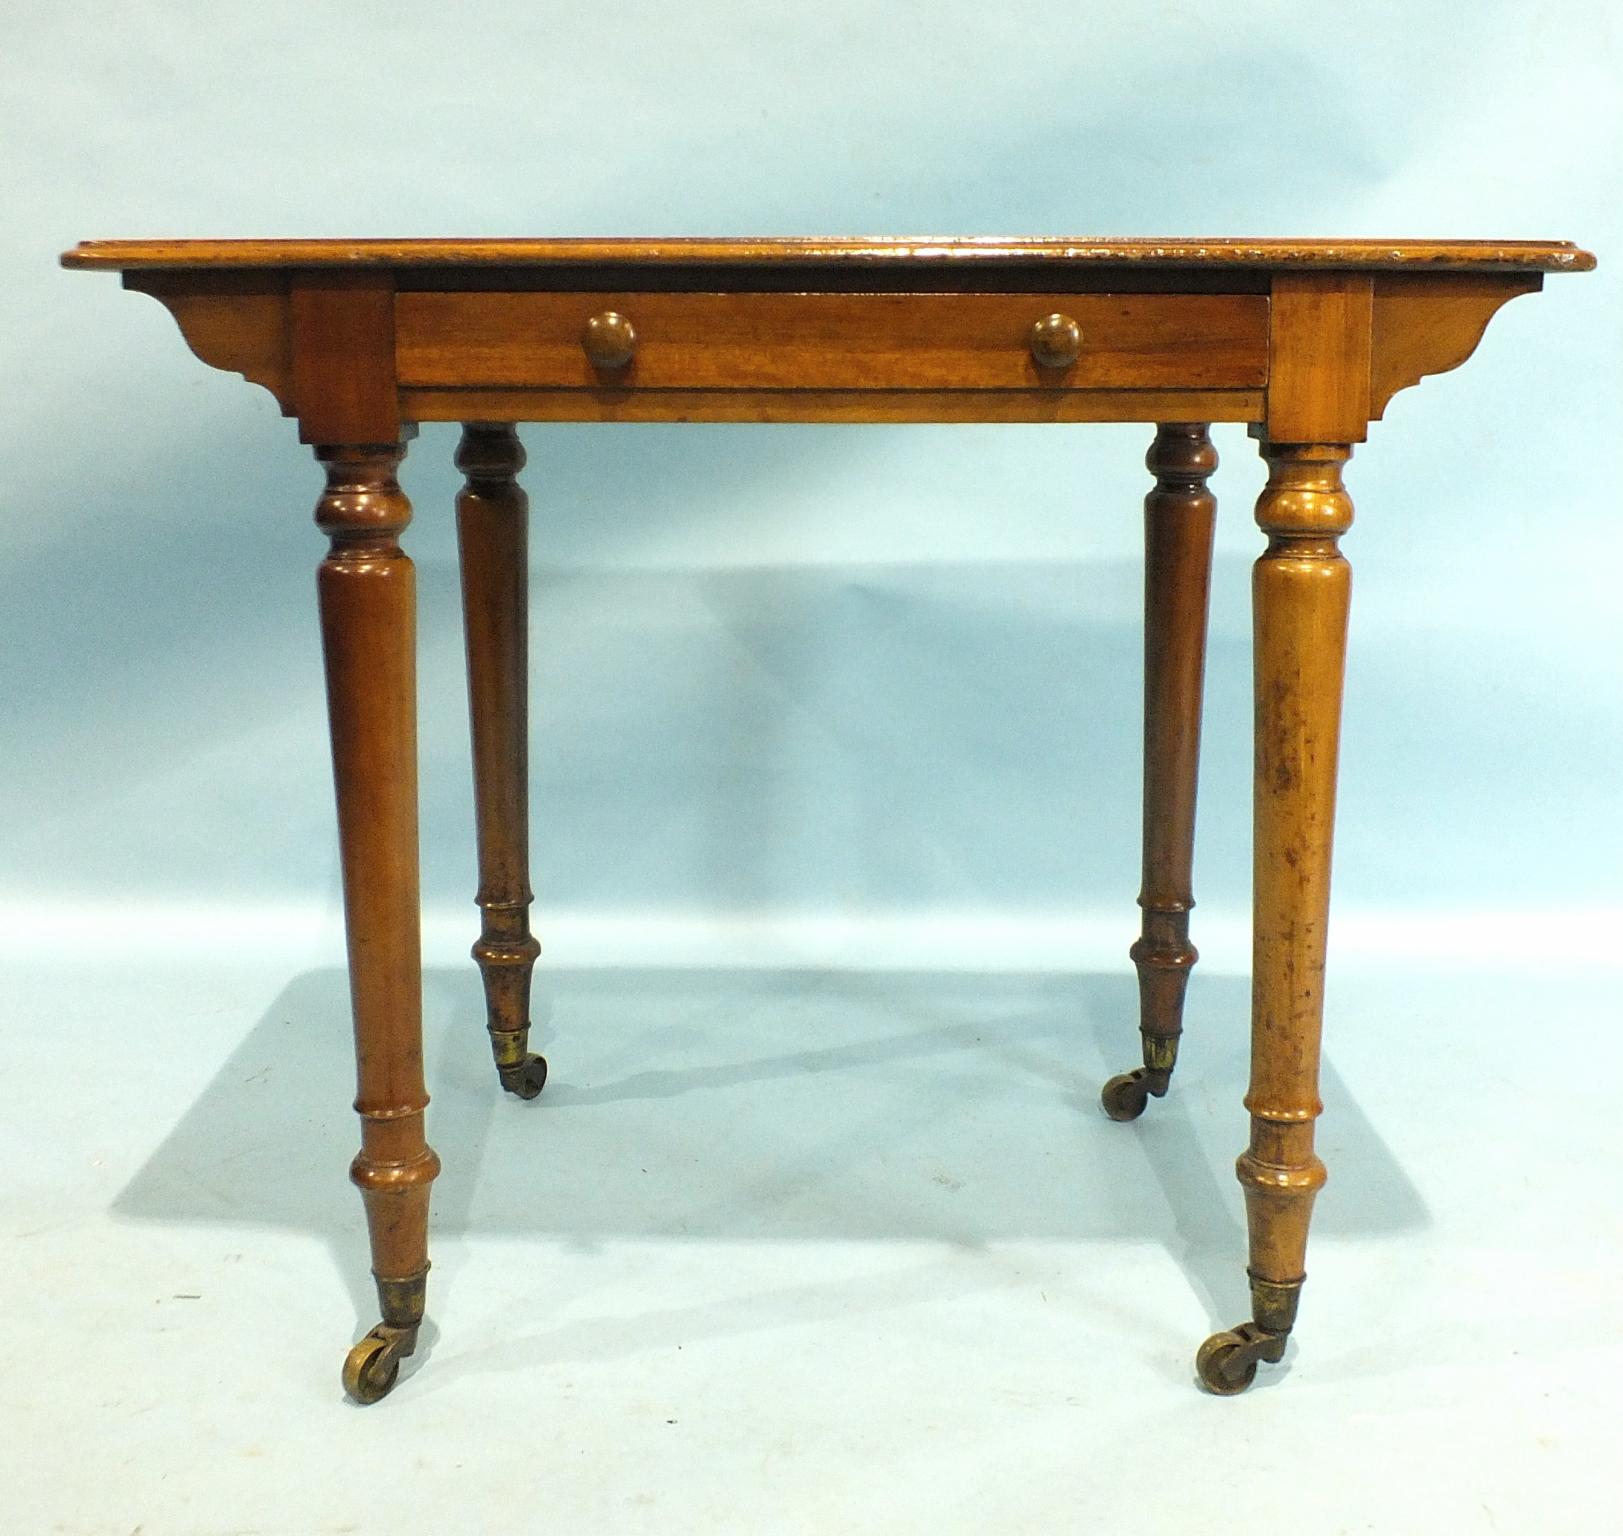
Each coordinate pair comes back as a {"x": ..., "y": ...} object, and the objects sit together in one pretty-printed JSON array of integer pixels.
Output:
[{"x": 831, "y": 341}]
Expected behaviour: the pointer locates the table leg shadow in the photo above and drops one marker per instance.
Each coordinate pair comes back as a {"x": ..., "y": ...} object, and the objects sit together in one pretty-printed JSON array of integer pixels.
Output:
[{"x": 938, "y": 1107}]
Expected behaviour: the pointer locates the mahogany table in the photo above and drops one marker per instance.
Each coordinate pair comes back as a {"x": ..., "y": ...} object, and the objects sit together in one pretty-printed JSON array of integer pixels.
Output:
[{"x": 1304, "y": 341}]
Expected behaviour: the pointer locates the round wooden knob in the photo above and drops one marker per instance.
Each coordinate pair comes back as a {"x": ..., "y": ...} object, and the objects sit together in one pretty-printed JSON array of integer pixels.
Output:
[
  {"x": 1056, "y": 341},
  {"x": 609, "y": 340}
]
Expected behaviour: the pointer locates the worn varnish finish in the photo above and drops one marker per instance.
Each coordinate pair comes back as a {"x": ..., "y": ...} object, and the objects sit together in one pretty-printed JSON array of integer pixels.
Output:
[
  {"x": 1305, "y": 341},
  {"x": 911, "y": 251},
  {"x": 1300, "y": 591}
]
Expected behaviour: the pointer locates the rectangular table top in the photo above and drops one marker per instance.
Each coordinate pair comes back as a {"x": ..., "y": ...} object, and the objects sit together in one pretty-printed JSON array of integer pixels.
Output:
[{"x": 921, "y": 252}]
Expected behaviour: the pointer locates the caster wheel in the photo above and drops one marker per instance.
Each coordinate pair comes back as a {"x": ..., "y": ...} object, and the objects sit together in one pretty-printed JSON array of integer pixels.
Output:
[
  {"x": 526, "y": 1080},
  {"x": 1124, "y": 1097},
  {"x": 1226, "y": 1364},
  {"x": 373, "y": 1366}
]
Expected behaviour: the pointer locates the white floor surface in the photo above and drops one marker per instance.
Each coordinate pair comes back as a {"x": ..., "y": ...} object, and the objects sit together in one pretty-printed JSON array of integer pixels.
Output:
[{"x": 804, "y": 1252}]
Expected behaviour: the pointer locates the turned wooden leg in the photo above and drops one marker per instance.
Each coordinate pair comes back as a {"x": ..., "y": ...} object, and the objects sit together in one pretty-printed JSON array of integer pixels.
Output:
[
  {"x": 493, "y": 536},
  {"x": 1178, "y": 518},
  {"x": 1300, "y": 593},
  {"x": 367, "y": 604}
]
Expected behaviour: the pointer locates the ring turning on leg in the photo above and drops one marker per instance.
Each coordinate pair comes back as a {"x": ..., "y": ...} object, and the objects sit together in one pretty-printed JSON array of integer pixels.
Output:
[
  {"x": 368, "y": 605},
  {"x": 1300, "y": 592},
  {"x": 1178, "y": 519},
  {"x": 506, "y": 954},
  {"x": 493, "y": 539}
]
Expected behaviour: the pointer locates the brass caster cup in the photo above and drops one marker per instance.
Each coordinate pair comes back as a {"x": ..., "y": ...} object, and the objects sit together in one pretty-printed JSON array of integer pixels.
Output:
[{"x": 527, "y": 1079}]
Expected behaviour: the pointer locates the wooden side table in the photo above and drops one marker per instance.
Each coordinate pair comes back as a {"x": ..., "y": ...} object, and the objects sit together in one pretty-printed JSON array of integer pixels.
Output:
[{"x": 1305, "y": 341}]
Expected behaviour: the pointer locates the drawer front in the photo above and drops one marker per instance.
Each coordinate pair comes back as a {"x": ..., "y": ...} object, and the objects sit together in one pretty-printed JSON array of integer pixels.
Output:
[{"x": 832, "y": 341}]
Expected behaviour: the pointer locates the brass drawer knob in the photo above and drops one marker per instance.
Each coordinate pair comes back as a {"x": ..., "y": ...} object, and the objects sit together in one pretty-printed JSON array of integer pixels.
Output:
[
  {"x": 1056, "y": 341},
  {"x": 609, "y": 340}
]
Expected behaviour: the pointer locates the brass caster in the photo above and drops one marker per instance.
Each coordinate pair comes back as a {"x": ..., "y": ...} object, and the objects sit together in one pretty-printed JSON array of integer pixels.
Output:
[
  {"x": 1227, "y": 1362},
  {"x": 1125, "y": 1096},
  {"x": 527, "y": 1079},
  {"x": 372, "y": 1367}
]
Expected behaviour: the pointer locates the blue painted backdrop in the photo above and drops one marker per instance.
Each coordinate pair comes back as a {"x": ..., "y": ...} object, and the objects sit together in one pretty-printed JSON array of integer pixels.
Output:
[{"x": 875, "y": 684}]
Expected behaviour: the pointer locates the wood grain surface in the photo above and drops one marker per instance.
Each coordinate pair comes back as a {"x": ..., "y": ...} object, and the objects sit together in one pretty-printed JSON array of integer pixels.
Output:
[
  {"x": 832, "y": 341},
  {"x": 1480, "y": 255}
]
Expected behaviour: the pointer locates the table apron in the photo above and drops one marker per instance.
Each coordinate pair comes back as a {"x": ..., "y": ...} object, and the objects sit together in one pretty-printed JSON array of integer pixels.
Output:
[
  {"x": 831, "y": 342},
  {"x": 961, "y": 406}
]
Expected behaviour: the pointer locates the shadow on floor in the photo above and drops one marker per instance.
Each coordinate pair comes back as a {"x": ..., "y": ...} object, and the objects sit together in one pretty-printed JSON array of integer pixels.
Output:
[{"x": 733, "y": 1105}]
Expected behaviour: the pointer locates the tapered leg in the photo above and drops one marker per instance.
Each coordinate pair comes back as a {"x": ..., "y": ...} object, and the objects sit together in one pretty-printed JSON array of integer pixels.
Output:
[
  {"x": 1300, "y": 593},
  {"x": 1178, "y": 518},
  {"x": 492, "y": 532},
  {"x": 367, "y": 601}
]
